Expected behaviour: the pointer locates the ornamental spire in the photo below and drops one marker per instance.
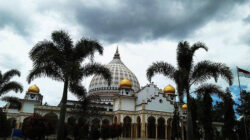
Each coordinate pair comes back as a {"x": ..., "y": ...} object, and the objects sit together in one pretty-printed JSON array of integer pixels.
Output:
[{"x": 117, "y": 55}]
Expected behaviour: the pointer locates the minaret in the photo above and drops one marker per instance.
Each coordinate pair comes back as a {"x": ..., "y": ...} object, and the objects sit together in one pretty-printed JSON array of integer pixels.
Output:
[{"x": 117, "y": 55}]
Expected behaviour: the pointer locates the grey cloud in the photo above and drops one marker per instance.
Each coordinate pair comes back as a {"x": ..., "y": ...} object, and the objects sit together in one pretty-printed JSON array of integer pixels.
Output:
[
  {"x": 14, "y": 19},
  {"x": 146, "y": 19},
  {"x": 9, "y": 62},
  {"x": 247, "y": 19}
]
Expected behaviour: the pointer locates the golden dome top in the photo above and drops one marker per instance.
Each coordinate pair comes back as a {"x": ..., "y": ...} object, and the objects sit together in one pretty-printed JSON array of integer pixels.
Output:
[
  {"x": 125, "y": 83},
  {"x": 184, "y": 106},
  {"x": 169, "y": 89},
  {"x": 34, "y": 89}
]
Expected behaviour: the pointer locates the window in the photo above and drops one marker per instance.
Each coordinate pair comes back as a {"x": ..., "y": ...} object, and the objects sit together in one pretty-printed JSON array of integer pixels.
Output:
[{"x": 160, "y": 100}]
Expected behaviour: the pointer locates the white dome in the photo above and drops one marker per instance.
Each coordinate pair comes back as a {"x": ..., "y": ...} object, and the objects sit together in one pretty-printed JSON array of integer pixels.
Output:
[{"x": 119, "y": 72}]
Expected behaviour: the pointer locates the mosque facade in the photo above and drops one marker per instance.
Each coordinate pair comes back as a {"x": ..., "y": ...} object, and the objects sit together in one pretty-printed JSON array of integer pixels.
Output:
[{"x": 143, "y": 112}]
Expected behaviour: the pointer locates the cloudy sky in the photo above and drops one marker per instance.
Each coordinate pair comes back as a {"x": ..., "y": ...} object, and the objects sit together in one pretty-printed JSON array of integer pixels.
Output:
[{"x": 145, "y": 31}]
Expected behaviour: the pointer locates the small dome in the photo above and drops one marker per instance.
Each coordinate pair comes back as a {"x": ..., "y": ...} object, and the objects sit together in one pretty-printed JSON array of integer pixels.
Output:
[
  {"x": 33, "y": 89},
  {"x": 184, "y": 106},
  {"x": 125, "y": 83},
  {"x": 169, "y": 89}
]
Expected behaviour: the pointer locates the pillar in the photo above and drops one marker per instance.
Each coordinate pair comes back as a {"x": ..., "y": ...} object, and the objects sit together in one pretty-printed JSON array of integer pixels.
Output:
[
  {"x": 182, "y": 131},
  {"x": 166, "y": 132},
  {"x": 119, "y": 119},
  {"x": 156, "y": 131},
  {"x": 143, "y": 125}
]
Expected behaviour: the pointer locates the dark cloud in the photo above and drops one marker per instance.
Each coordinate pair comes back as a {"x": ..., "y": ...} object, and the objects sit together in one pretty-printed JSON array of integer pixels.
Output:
[
  {"x": 14, "y": 19},
  {"x": 127, "y": 20},
  {"x": 247, "y": 19},
  {"x": 147, "y": 19}
]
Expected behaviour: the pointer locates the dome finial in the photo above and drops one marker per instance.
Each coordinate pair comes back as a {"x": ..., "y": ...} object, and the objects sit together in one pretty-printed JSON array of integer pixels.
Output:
[{"x": 117, "y": 55}]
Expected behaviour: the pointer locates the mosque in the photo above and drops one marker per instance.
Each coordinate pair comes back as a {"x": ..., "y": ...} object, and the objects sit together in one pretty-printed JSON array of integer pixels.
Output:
[{"x": 144, "y": 112}]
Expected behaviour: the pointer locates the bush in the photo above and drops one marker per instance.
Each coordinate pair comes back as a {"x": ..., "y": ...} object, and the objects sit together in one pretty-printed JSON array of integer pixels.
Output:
[
  {"x": 36, "y": 127},
  {"x": 5, "y": 129}
]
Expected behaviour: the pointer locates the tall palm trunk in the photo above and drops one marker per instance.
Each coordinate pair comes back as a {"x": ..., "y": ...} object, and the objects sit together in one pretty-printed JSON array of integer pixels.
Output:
[
  {"x": 189, "y": 120},
  {"x": 60, "y": 129}
]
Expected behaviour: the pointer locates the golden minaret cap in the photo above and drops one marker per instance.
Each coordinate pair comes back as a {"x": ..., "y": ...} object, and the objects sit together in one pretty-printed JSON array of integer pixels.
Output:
[
  {"x": 125, "y": 83},
  {"x": 184, "y": 106},
  {"x": 169, "y": 89},
  {"x": 34, "y": 89}
]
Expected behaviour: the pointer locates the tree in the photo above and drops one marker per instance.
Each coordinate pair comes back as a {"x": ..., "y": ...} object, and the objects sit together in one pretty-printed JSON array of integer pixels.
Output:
[
  {"x": 176, "y": 129},
  {"x": 205, "y": 91},
  {"x": 218, "y": 112},
  {"x": 36, "y": 127},
  {"x": 6, "y": 86},
  {"x": 5, "y": 128},
  {"x": 187, "y": 74},
  {"x": 244, "y": 110},
  {"x": 62, "y": 61},
  {"x": 229, "y": 116}
]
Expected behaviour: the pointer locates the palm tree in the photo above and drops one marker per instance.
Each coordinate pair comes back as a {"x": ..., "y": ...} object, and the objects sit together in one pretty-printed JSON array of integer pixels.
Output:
[
  {"x": 62, "y": 61},
  {"x": 187, "y": 74},
  {"x": 205, "y": 91},
  {"x": 6, "y": 86}
]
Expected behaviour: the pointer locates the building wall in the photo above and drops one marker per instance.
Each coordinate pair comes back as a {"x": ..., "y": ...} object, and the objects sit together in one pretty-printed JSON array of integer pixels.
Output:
[
  {"x": 164, "y": 106},
  {"x": 28, "y": 107},
  {"x": 147, "y": 92},
  {"x": 128, "y": 104}
]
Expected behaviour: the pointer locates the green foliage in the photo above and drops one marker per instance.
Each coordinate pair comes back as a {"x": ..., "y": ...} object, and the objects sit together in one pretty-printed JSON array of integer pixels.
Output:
[
  {"x": 36, "y": 127},
  {"x": 6, "y": 86},
  {"x": 217, "y": 112},
  {"x": 5, "y": 128},
  {"x": 244, "y": 110},
  {"x": 176, "y": 129},
  {"x": 229, "y": 116}
]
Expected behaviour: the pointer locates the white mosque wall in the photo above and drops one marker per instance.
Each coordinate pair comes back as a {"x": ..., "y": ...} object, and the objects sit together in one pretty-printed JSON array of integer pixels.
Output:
[
  {"x": 116, "y": 104},
  {"x": 159, "y": 103},
  {"x": 28, "y": 107},
  {"x": 128, "y": 104},
  {"x": 13, "y": 111},
  {"x": 146, "y": 93},
  {"x": 138, "y": 107}
]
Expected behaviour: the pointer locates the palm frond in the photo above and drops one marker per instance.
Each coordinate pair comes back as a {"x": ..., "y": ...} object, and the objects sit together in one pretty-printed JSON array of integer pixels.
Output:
[
  {"x": 184, "y": 57},
  {"x": 51, "y": 71},
  {"x": 86, "y": 47},
  {"x": 11, "y": 86},
  {"x": 9, "y": 74},
  {"x": 14, "y": 101},
  {"x": 161, "y": 68},
  {"x": 97, "y": 69},
  {"x": 205, "y": 70},
  {"x": 62, "y": 40},
  {"x": 209, "y": 89},
  {"x": 44, "y": 52},
  {"x": 78, "y": 90},
  {"x": 198, "y": 45}
]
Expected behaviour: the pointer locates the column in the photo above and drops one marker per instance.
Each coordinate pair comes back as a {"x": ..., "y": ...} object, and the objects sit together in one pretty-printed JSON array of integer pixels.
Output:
[
  {"x": 143, "y": 126},
  {"x": 182, "y": 131},
  {"x": 166, "y": 132},
  {"x": 156, "y": 131}
]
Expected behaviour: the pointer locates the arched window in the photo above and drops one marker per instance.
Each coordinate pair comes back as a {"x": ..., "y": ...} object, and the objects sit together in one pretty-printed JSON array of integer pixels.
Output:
[
  {"x": 161, "y": 128},
  {"x": 127, "y": 127},
  {"x": 151, "y": 127},
  {"x": 138, "y": 127}
]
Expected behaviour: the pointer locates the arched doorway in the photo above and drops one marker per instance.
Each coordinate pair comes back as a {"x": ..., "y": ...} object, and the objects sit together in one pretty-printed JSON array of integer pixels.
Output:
[
  {"x": 127, "y": 127},
  {"x": 82, "y": 121},
  {"x": 138, "y": 127},
  {"x": 105, "y": 122},
  {"x": 161, "y": 128},
  {"x": 95, "y": 123},
  {"x": 115, "y": 120},
  {"x": 169, "y": 128},
  {"x": 151, "y": 127},
  {"x": 71, "y": 121}
]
